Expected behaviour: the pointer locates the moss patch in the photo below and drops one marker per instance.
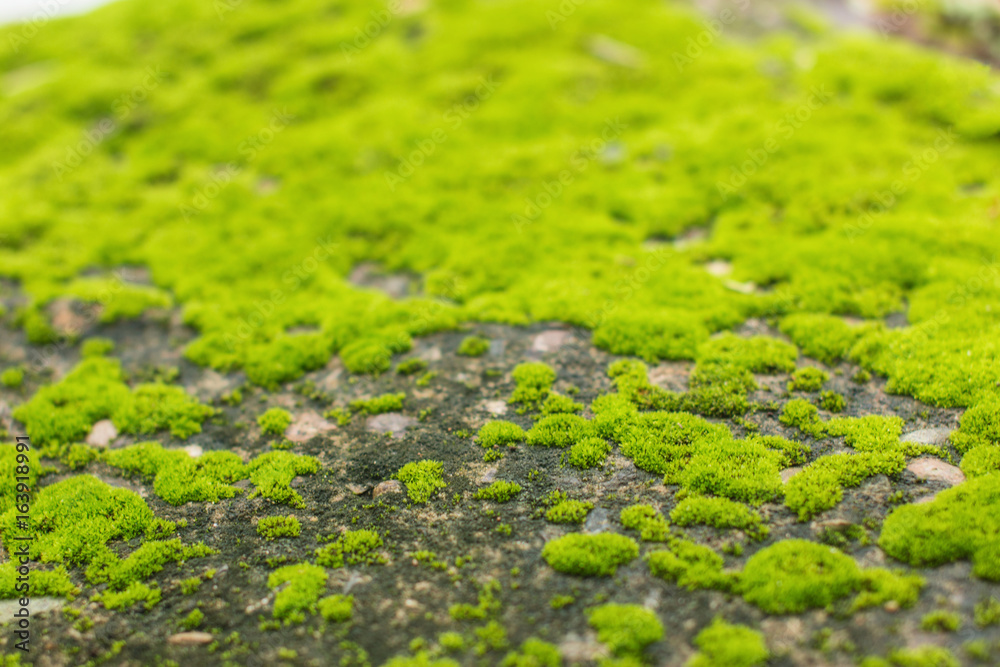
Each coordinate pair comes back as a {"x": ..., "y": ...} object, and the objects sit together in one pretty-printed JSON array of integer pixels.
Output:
[
  {"x": 590, "y": 555},
  {"x": 422, "y": 479}
]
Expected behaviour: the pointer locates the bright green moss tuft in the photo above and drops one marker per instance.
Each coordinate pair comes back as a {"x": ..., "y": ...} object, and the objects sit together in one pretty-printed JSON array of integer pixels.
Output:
[
  {"x": 78, "y": 456},
  {"x": 273, "y": 473},
  {"x": 533, "y": 653},
  {"x": 141, "y": 564},
  {"x": 961, "y": 522},
  {"x": 613, "y": 416},
  {"x": 97, "y": 347},
  {"x": 719, "y": 513},
  {"x": 380, "y": 404},
  {"x": 724, "y": 645},
  {"x": 303, "y": 584},
  {"x": 569, "y": 511},
  {"x": 940, "y": 620},
  {"x": 421, "y": 659},
  {"x": 373, "y": 355},
  {"x": 473, "y": 346},
  {"x": 533, "y": 383},
  {"x": 652, "y": 526},
  {"x": 137, "y": 592},
  {"x": 498, "y": 433},
  {"x": 981, "y": 460},
  {"x": 273, "y": 527},
  {"x": 590, "y": 555},
  {"x": 14, "y": 464},
  {"x": 589, "y": 453},
  {"x": 559, "y": 431},
  {"x": 155, "y": 407},
  {"x": 626, "y": 629},
  {"x": 663, "y": 442},
  {"x": 692, "y": 566},
  {"x": 760, "y": 354},
  {"x": 499, "y": 491},
  {"x": 558, "y": 404},
  {"x": 193, "y": 620},
  {"x": 652, "y": 335},
  {"x": 804, "y": 416},
  {"x": 792, "y": 452},
  {"x": 632, "y": 381},
  {"x": 744, "y": 470},
  {"x": 411, "y": 366},
  {"x": 808, "y": 379},
  {"x": 422, "y": 479},
  {"x": 921, "y": 656},
  {"x": 873, "y": 433},
  {"x": 12, "y": 378},
  {"x": 337, "y": 608},
  {"x": 354, "y": 547},
  {"x": 831, "y": 401},
  {"x": 879, "y": 586},
  {"x": 822, "y": 337},
  {"x": 41, "y": 583},
  {"x": 274, "y": 421},
  {"x": 821, "y": 485},
  {"x": 987, "y": 612},
  {"x": 980, "y": 425},
  {"x": 792, "y": 576}
]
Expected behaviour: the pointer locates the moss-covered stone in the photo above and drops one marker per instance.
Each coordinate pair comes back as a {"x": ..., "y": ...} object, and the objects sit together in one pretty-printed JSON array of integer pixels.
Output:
[
  {"x": 652, "y": 526},
  {"x": 820, "y": 485},
  {"x": 597, "y": 555},
  {"x": 301, "y": 587},
  {"x": 723, "y": 644},
  {"x": 273, "y": 527},
  {"x": 808, "y": 379},
  {"x": 692, "y": 566},
  {"x": 719, "y": 513},
  {"x": 380, "y": 404},
  {"x": 559, "y": 430},
  {"x": 589, "y": 453},
  {"x": 498, "y": 433},
  {"x": 533, "y": 383},
  {"x": 422, "y": 479},
  {"x": 353, "y": 547},
  {"x": 626, "y": 629},
  {"x": 500, "y": 491},
  {"x": 273, "y": 472},
  {"x": 794, "y": 575},
  {"x": 274, "y": 421}
]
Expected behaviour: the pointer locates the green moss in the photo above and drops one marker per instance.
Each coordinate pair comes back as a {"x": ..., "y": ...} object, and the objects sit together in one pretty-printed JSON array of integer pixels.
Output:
[
  {"x": 41, "y": 583},
  {"x": 274, "y": 421},
  {"x": 473, "y": 346},
  {"x": 558, "y": 404},
  {"x": 879, "y": 586},
  {"x": 301, "y": 586},
  {"x": 981, "y": 460},
  {"x": 831, "y": 401},
  {"x": 724, "y": 645},
  {"x": 744, "y": 470},
  {"x": 940, "y": 620},
  {"x": 488, "y": 604},
  {"x": 719, "y": 513},
  {"x": 193, "y": 620},
  {"x": 804, "y": 416},
  {"x": 411, "y": 366},
  {"x": 652, "y": 336},
  {"x": 794, "y": 575},
  {"x": 808, "y": 379},
  {"x": 492, "y": 637},
  {"x": 533, "y": 653},
  {"x": 354, "y": 547},
  {"x": 499, "y": 491},
  {"x": 177, "y": 477},
  {"x": 873, "y": 433},
  {"x": 155, "y": 407},
  {"x": 273, "y": 527},
  {"x": 451, "y": 641},
  {"x": 589, "y": 453},
  {"x": 652, "y": 526},
  {"x": 961, "y": 522},
  {"x": 590, "y": 555},
  {"x": 12, "y": 378},
  {"x": 141, "y": 564},
  {"x": 14, "y": 464},
  {"x": 380, "y": 404},
  {"x": 422, "y": 479},
  {"x": 421, "y": 659},
  {"x": 498, "y": 433},
  {"x": 614, "y": 414},
  {"x": 533, "y": 382},
  {"x": 632, "y": 381},
  {"x": 822, "y": 337},
  {"x": 792, "y": 452},
  {"x": 692, "y": 566},
  {"x": 273, "y": 473},
  {"x": 820, "y": 485},
  {"x": 78, "y": 456},
  {"x": 97, "y": 347},
  {"x": 759, "y": 354},
  {"x": 664, "y": 442},
  {"x": 569, "y": 511},
  {"x": 137, "y": 592},
  {"x": 337, "y": 608},
  {"x": 923, "y": 656},
  {"x": 626, "y": 629},
  {"x": 987, "y": 612},
  {"x": 559, "y": 431},
  {"x": 980, "y": 425}
]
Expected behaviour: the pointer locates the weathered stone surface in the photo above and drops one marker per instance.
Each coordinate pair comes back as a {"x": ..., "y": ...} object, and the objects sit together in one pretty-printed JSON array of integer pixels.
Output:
[
  {"x": 390, "y": 422},
  {"x": 306, "y": 425},
  {"x": 928, "y": 436},
  {"x": 788, "y": 473},
  {"x": 102, "y": 433},
  {"x": 550, "y": 340},
  {"x": 936, "y": 470},
  {"x": 497, "y": 408},
  {"x": 190, "y": 638},
  {"x": 388, "y": 486}
]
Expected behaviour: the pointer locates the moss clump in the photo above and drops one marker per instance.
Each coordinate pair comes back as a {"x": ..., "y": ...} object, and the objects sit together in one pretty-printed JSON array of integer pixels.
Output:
[
  {"x": 590, "y": 555},
  {"x": 879, "y": 586},
  {"x": 652, "y": 526},
  {"x": 533, "y": 653},
  {"x": 337, "y": 608},
  {"x": 719, "y": 513},
  {"x": 148, "y": 595},
  {"x": 154, "y": 407},
  {"x": 411, "y": 366},
  {"x": 473, "y": 346},
  {"x": 569, "y": 511},
  {"x": 724, "y": 645},
  {"x": 744, "y": 470},
  {"x": 664, "y": 442},
  {"x": 804, "y": 416},
  {"x": 987, "y": 612},
  {"x": 193, "y": 620},
  {"x": 144, "y": 562},
  {"x": 533, "y": 382},
  {"x": 380, "y": 404},
  {"x": 831, "y": 401},
  {"x": 78, "y": 456},
  {"x": 12, "y": 378},
  {"x": 808, "y": 379},
  {"x": 559, "y": 431},
  {"x": 822, "y": 337},
  {"x": 498, "y": 433},
  {"x": 179, "y": 478},
  {"x": 632, "y": 381},
  {"x": 794, "y": 575},
  {"x": 962, "y": 522},
  {"x": 626, "y": 629},
  {"x": 614, "y": 414},
  {"x": 692, "y": 566},
  {"x": 274, "y": 421},
  {"x": 981, "y": 460},
  {"x": 589, "y": 453},
  {"x": 821, "y": 485},
  {"x": 652, "y": 336},
  {"x": 273, "y": 527},
  {"x": 873, "y": 433},
  {"x": 273, "y": 473},
  {"x": 74, "y": 519},
  {"x": 921, "y": 656},
  {"x": 54, "y": 583},
  {"x": 303, "y": 584},
  {"x": 759, "y": 354},
  {"x": 940, "y": 620},
  {"x": 422, "y": 479},
  {"x": 556, "y": 404},
  {"x": 421, "y": 659},
  {"x": 354, "y": 547},
  {"x": 499, "y": 491},
  {"x": 980, "y": 425},
  {"x": 14, "y": 464},
  {"x": 792, "y": 452},
  {"x": 97, "y": 347}
]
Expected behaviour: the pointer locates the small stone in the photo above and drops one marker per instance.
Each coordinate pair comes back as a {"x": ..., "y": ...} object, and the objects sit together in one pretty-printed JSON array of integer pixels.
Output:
[
  {"x": 194, "y": 451},
  {"x": 102, "y": 433},
  {"x": 495, "y": 407},
  {"x": 612, "y": 51},
  {"x": 390, "y": 422},
  {"x": 935, "y": 470},
  {"x": 891, "y": 606},
  {"x": 598, "y": 521},
  {"x": 388, "y": 486},
  {"x": 928, "y": 436},
  {"x": 191, "y": 638},
  {"x": 550, "y": 340},
  {"x": 488, "y": 475},
  {"x": 788, "y": 473},
  {"x": 307, "y": 425},
  {"x": 358, "y": 489},
  {"x": 719, "y": 268}
]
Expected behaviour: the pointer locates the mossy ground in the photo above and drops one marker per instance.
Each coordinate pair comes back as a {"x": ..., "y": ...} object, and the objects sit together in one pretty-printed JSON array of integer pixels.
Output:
[{"x": 709, "y": 239}]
